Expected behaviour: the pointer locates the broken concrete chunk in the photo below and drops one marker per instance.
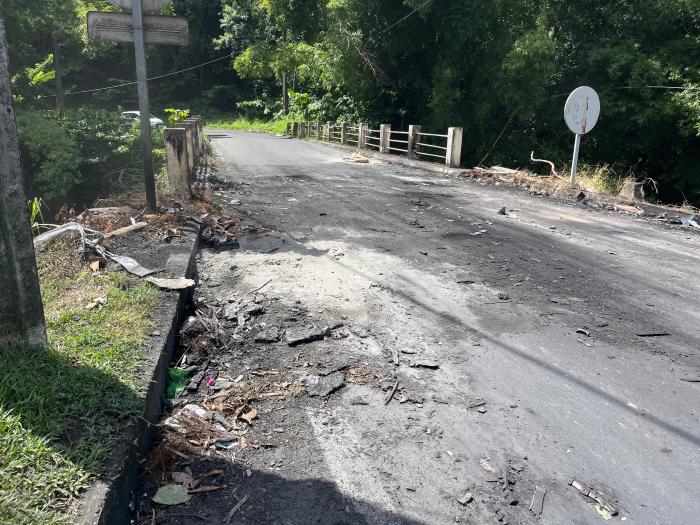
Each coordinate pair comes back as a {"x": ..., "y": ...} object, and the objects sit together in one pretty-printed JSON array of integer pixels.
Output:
[
  {"x": 323, "y": 386},
  {"x": 595, "y": 496},
  {"x": 537, "y": 503},
  {"x": 465, "y": 499},
  {"x": 231, "y": 311},
  {"x": 299, "y": 335},
  {"x": 432, "y": 365},
  {"x": 268, "y": 336},
  {"x": 172, "y": 284}
]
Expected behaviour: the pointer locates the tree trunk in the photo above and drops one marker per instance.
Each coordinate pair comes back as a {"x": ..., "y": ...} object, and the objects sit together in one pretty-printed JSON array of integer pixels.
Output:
[
  {"x": 60, "y": 105},
  {"x": 285, "y": 95}
]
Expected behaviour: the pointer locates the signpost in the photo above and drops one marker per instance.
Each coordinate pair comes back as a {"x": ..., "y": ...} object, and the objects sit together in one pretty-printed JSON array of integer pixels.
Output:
[
  {"x": 581, "y": 114},
  {"x": 141, "y": 29}
]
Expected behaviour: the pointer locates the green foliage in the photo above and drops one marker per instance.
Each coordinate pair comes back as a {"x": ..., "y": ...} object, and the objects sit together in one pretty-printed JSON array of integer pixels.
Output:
[
  {"x": 41, "y": 72},
  {"x": 81, "y": 156},
  {"x": 36, "y": 216},
  {"x": 176, "y": 115}
]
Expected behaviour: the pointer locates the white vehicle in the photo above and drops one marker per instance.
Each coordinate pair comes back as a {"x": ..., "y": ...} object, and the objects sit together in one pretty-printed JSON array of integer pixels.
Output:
[{"x": 130, "y": 116}]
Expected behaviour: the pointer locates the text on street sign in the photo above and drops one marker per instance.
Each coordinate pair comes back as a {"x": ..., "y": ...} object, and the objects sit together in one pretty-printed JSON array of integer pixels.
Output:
[{"x": 118, "y": 27}]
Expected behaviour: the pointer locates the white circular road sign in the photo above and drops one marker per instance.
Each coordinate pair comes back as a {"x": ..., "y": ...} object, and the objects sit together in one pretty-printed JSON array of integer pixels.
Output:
[
  {"x": 582, "y": 110},
  {"x": 148, "y": 6}
]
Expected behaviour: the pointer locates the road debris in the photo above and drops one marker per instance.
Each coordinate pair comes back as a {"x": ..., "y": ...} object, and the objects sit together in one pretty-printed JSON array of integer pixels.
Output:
[
  {"x": 323, "y": 386},
  {"x": 484, "y": 462},
  {"x": 180, "y": 283},
  {"x": 595, "y": 496},
  {"x": 171, "y": 495},
  {"x": 268, "y": 336},
  {"x": 583, "y": 331},
  {"x": 465, "y": 499},
  {"x": 691, "y": 379},
  {"x": 653, "y": 334},
  {"x": 432, "y": 365},
  {"x": 391, "y": 394},
  {"x": 299, "y": 335},
  {"x": 236, "y": 508},
  {"x": 357, "y": 159},
  {"x": 502, "y": 211},
  {"x": 537, "y": 502}
]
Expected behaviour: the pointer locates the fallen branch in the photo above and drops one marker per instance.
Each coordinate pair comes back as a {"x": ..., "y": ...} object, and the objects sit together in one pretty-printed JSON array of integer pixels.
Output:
[
  {"x": 127, "y": 229},
  {"x": 236, "y": 508},
  {"x": 258, "y": 288},
  {"x": 552, "y": 170},
  {"x": 391, "y": 395}
]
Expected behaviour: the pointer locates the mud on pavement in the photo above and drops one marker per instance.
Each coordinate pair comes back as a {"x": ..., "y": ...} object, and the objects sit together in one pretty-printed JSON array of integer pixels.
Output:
[
  {"x": 300, "y": 406},
  {"x": 375, "y": 346}
]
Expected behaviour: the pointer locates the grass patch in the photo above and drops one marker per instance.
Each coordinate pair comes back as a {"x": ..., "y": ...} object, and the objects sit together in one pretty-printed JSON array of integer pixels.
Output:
[
  {"x": 61, "y": 410},
  {"x": 274, "y": 127},
  {"x": 601, "y": 179}
]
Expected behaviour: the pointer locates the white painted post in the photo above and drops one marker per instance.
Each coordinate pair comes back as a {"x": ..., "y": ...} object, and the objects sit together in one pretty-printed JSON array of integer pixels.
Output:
[
  {"x": 454, "y": 147},
  {"x": 384, "y": 138},
  {"x": 344, "y": 132},
  {"x": 574, "y": 162},
  {"x": 364, "y": 128},
  {"x": 413, "y": 136},
  {"x": 177, "y": 156},
  {"x": 187, "y": 126}
]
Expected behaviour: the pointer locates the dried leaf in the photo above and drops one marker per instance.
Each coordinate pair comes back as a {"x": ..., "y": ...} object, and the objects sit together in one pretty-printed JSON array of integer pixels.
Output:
[
  {"x": 171, "y": 495},
  {"x": 248, "y": 417}
]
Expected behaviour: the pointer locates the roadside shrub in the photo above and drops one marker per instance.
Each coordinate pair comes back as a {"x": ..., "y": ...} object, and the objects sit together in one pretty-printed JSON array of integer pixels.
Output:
[{"x": 81, "y": 156}]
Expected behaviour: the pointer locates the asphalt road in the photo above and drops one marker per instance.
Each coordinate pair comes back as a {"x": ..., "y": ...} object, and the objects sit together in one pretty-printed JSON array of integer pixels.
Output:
[{"x": 430, "y": 269}]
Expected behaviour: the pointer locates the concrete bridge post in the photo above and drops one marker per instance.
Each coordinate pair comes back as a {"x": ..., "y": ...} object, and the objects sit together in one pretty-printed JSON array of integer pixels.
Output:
[
  {"x": 454, "y": 147},
  {"x": 413, "y": 138},
  {"x": 384, "y": 138},
  {"x": 189, "y": 143},
  {"x": 177, "y": 156},
  {"x": 364, "y": 128}
]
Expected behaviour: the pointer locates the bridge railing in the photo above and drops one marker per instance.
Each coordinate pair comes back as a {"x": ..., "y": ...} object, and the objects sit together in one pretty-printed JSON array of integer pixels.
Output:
[{"x": 413, "y": 143}]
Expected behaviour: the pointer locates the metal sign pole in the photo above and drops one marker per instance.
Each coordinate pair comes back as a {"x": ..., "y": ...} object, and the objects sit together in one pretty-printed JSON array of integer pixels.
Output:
[
  {"x": 574, "y": 162},
  {"x": 144, "y": 106}
]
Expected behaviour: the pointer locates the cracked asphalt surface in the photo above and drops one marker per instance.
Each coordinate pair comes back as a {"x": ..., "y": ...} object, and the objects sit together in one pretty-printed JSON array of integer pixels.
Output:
[{"x": 546, "y": 318}]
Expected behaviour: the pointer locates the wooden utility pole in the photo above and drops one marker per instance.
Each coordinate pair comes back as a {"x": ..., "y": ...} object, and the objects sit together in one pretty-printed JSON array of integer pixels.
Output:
[{"x": 21, "y": 309}]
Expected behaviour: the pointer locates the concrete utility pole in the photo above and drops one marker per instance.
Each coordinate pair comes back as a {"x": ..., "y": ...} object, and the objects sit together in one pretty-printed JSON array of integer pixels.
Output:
[
  {"x": 144, "y": 104},
  {"x": 21, "y": 310}
]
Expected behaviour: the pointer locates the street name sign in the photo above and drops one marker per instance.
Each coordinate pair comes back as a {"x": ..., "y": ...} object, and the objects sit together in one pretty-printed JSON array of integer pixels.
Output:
[
  {"x": 119, "y": 27},
  {"x": 581, "y": 113},
  {"x": 148, "y": 6}
]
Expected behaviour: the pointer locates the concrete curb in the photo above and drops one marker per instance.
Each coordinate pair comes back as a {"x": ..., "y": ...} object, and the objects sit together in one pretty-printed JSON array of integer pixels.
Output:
[{"x": 109, "y": 500}]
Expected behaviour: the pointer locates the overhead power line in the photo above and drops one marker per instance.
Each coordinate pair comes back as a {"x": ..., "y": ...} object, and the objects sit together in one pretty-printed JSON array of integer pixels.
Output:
[
  {"x": 407, "y": 16},
  {"x": 152, "y": 78}
]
